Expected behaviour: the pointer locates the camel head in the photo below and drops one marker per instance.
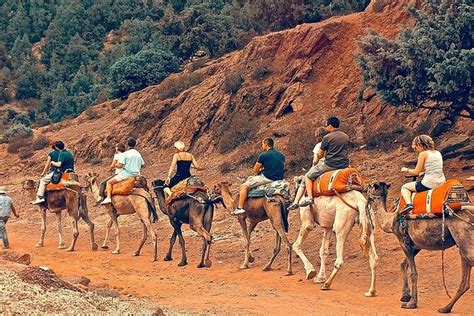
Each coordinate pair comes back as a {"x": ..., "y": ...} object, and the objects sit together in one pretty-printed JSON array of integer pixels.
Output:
[
  {"x": 28, "y": 185},
  {"x": 91, "y": 179},
  {"x": 224, "y": 185},
  {"x": 377, "y": 191},
  {"x": 158, "y": 185}
]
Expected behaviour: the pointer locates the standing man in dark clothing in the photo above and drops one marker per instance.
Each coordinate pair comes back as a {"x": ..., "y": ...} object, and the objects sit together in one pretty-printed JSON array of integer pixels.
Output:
[
  {"x": 335, "y": 150},
  {"x": 270, "y": 167}
]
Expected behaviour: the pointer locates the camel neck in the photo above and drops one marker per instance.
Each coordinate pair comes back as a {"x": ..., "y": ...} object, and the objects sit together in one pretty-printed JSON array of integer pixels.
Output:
[
  {"x": 95, "y": 190},
  {"x": 227, "y": 196},
  {"x": 383, "y": 218}
]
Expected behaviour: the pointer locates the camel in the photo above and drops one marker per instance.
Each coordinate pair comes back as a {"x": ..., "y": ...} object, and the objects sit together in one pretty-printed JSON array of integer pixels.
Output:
[
  {"x": 197, "y": 211},
  {"x": 258, "y": 210},
  {"x": 333, "y": 214},
  {"x": 139, "y": 202},
  {"x": 73, "y": 201},
  {"x": 415, "y": 235}
]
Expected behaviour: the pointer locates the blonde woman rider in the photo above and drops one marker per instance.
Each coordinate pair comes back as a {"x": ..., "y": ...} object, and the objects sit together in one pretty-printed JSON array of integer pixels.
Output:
[{"x": 430, "y": 162}]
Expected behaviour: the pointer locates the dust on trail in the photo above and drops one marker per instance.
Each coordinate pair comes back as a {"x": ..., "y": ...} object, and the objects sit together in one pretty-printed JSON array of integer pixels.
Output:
[{"x": 225, "y": 289}]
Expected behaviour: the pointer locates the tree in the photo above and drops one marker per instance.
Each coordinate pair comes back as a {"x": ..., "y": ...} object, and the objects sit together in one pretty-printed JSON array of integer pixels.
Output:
[
  {"x": 21, "y": 51},
  {"x": 61, "y": 104},
  {"x": 82, "y": 81},
  {"x": 428, "y": 66},
  {"x": 27, "y": 81},
  {"x": 133, "y": 73},
  {"x": 19, "y": 25}
]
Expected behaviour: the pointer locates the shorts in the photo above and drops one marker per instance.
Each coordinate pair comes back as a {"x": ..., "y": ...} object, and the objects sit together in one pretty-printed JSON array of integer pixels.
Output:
[
  {"x": 255, "y": 181},
  {"x": 120, "y": 177},
  {"x": 419, "y": 187},
  {"x": 318, "y": 170}
]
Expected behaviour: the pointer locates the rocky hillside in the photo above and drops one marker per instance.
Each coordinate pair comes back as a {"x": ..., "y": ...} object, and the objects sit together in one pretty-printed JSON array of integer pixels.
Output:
[{"x": 283, "y": 84}]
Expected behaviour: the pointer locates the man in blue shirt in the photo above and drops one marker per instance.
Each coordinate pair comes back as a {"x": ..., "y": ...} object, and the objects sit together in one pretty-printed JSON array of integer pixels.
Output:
[
  {"x": 6, "y": 207},
  {"x": 130, "y": 163}
]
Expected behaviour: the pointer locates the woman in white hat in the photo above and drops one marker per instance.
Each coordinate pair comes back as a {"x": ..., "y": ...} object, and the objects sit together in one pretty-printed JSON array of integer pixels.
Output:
[
  {"x": 182, "y": 162},
  {"x": 6, "y": 207}
]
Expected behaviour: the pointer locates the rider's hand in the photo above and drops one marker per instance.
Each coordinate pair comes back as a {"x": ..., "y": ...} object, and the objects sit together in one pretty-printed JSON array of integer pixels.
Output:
[
  {"x": 167, "y": 181},
  {"x": 404, "y": 169}
]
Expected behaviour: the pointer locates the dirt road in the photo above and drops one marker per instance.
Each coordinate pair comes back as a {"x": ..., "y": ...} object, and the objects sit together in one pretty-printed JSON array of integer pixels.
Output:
[{"x": 225, "y": 289}]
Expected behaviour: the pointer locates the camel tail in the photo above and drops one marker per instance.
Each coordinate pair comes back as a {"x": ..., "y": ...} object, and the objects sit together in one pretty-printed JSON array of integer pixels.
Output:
[
  {"x": 366, "y": 226},
  {"x": 152, "y": 210},
  {"x": 216, "y": 200},
  {"x": 284, "y": 216}
]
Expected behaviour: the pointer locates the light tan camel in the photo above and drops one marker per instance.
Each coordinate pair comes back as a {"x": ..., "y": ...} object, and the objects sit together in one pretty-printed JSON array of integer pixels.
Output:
[
  {"x": 332, "y": 214},
  {"x": 256, "y": 211},
  {"x": 139, "y": 202},
  {"x": 197, "y": 211},
  {"x": 415, "y": 235},
  {"x": 73, "y": 201}
]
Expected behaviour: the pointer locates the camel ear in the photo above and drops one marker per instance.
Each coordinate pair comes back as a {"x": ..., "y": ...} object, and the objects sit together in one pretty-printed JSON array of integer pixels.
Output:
[{"x": 388, "y": 186}]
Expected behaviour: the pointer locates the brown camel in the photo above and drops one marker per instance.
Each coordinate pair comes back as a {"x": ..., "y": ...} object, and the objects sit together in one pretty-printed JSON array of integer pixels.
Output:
[
  {"x": 197, "y": 211},
  {"x": 256, "y": 211},
  {"x": 418, "y": 234},
  {"x": 139, "y": 201},
  {"x": 73, "y": 201}
]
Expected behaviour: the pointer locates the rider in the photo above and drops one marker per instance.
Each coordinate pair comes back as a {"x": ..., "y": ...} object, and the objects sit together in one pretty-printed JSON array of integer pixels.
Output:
[
  {"x": 182, "y": 162},
  {"x": 6, "y": 206},
  {"x": 60, "y": 159},
  {"x": 334, "y": 149},
  {"x": 131, "y": 163},
  {"x": 115, "y": 167},
  {"x": 270, "y": 166},
  {"x": 319, "y": 134},
  {"x": 430, "y": 162}
]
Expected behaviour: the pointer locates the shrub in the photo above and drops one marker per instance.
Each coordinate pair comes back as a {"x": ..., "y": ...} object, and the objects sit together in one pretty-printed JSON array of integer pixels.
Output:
[
  {"x": 18, "y": 141},
  {"x": 239, "y": 129},
  {"x": 40, "y": 143},
  {"x": 173, "y": 86},
  {"x": 95, "y": 161},
  {"x": 17, "y": 129},
  {"x": 25, "y": 152},
  {"x": 384, "y": 138},
  {"x": 226, "y": 167},
  {"x": 92, "y": 114},
  {"x": 261, "y": 70},
  {"x": 232, "y": 82}
]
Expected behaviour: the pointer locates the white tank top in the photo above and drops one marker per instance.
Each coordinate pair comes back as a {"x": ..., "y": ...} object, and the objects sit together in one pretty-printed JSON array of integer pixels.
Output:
[{"x": 434, "y": 175}]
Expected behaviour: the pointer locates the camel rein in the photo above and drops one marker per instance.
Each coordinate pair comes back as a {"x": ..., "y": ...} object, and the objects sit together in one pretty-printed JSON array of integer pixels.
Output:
[{"x": 344, "y": 201}]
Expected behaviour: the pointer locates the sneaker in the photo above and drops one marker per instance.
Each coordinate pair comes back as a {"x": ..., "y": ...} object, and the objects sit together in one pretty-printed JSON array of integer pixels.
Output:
[
  {"x": 38, "y": 200},
  {"x": 406, "y": 209},
  {"x": 106, "y": 201},
  {"x": 99, "y": 201},
  {"x": 307, "y": 201},
  {"x": 238, "y": 211},
  {"x": 293, "y": 206}
]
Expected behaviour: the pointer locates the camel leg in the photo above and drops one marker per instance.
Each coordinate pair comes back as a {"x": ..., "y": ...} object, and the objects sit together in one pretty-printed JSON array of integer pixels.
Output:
[
  {"x": 342, "y": 227},
  {"x": 279, "y": 227},
  {"x": 206, "y": 244},
  {"x": 154, "y": 237},
  {"x": 276, "y": 250},
  {"x": 207, "y": 223},
  {"x": 107, "y": 231},
  {"x": 75, "y": 234},
  {"x": 172, "y": 241},
  {"x": 463, "y": 287},
  {"x": 247, "y": 233},
  {"x": 406, "y": 297},
  {"x": 373, "y": 258},
  {"x": 410, "y": 254},
  {"x": 182, "y": 243},
  {"x": 40, "y": 243},
  {"x": 307, "y": 225},
  {"x": 59, "y": 226},
  {"x": 323, "y": 255},
  {"x": 145, "y": 234},
  {"x": 85, "y": 217},
  {"x": 117, "y": 234}
]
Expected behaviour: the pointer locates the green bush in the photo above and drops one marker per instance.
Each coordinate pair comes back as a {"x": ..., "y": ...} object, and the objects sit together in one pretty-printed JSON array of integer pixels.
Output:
[
  {"x": 232, "y": 82},
  {"x": 261, "y": 70},
  {"x": 17, "y": 130}
]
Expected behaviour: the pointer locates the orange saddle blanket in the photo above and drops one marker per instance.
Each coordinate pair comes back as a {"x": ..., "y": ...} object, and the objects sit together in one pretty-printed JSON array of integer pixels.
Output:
[
  {"x": 452, "y": 193},
  {"x": 126, "y": 186},
  {"x": 341, "y": 180},
  {"x": 67, "y": 179}
]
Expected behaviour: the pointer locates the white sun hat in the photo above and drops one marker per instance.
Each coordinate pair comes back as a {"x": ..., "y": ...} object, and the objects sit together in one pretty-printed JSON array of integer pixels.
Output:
[{"x": 3, "y": 190}]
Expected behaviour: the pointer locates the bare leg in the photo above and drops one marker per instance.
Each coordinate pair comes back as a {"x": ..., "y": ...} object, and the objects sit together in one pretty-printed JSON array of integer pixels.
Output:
[
  {"x": 276, "y": 250},
  {"x": 323, "y": 255},
  {"x": 463, "y": 287},
  {"x": 40, "y": 243},
  {"x": 407, "y": 190},
  {"x": 307, "y": 225},
  {"x": 145, "y": 235},
  {"x": 244, "y": 189},
  {"x": 75, "y": 234},
  {"x": 59, "y": 226},
  {"x": 107, "y": 231}
]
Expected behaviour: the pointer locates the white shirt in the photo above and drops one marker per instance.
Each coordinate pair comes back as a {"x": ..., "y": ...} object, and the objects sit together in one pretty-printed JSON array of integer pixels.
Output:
[
  {"x": 434, "y": 175},
  {"x": 117, "y": 158},
  {"x": 316, "y": 150},
  {"x": 132, "y": 162}
]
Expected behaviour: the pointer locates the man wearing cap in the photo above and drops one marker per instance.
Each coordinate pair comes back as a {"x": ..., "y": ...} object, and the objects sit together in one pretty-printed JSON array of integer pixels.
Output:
[
  {"x": 130, "y": 163},
  {"x": 64, "y": 162},
  {"x": 6, "y": 207}
]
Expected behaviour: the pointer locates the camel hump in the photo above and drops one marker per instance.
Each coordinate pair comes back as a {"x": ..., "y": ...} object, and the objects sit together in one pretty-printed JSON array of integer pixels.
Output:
[
  {"x": 431, "y": 203},
  {"x": 340, "y": 180}
]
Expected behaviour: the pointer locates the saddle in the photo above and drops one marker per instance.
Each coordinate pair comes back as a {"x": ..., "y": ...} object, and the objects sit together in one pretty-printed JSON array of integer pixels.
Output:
[
  {"x": 279, "y": 187},
  {"x": 125, "y": 187},
  {"x": 341, "y": 180},
  {"x": 185, "y": 187},
  {"x": 431, "y": 203},
  {"x": 68, "y": 179}
]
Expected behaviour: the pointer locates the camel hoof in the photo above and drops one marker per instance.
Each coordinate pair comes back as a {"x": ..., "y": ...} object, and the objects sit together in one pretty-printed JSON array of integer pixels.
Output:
[
  {"x": 251, "y": 259},
  {"x": 69, "y": 249},
  {"x": 94, "y": 247},
  {"x": 104, "y": 247},
  {"x": 370, "y": 294},
  {"x": 115, "y": 252},
  {"x": 136, "y": 254},
  {"x": 409, "y": 305},
  {"x": 208, "y": 263},
  {"x": 288, "y": 273},
  {"x": 201, "y": 265},
  {"x": 182, "y": 263},
  {"x": 325, "y": 287},
  {"x": 61, "y": 247},
  {"x": 267, "y": 268},
  {"x": 167, "y": 258},
  {"x": 405, "y": 298},
  {"x": 310, "y": 275},
  {"x": 319, "y": 280},
  {"x": 154, "y": 259},
  {"x": 243, "y": 267},
  {"x": 39, "y": 245},
  {"x": 444, "y": 310}
]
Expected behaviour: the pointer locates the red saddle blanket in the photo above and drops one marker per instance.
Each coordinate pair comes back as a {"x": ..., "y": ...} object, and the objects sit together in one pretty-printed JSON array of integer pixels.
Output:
[
  {"x": 451, "y": 193},
  {"x": 67, "y": 179},
  {"x": 341, "y": 180}
]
